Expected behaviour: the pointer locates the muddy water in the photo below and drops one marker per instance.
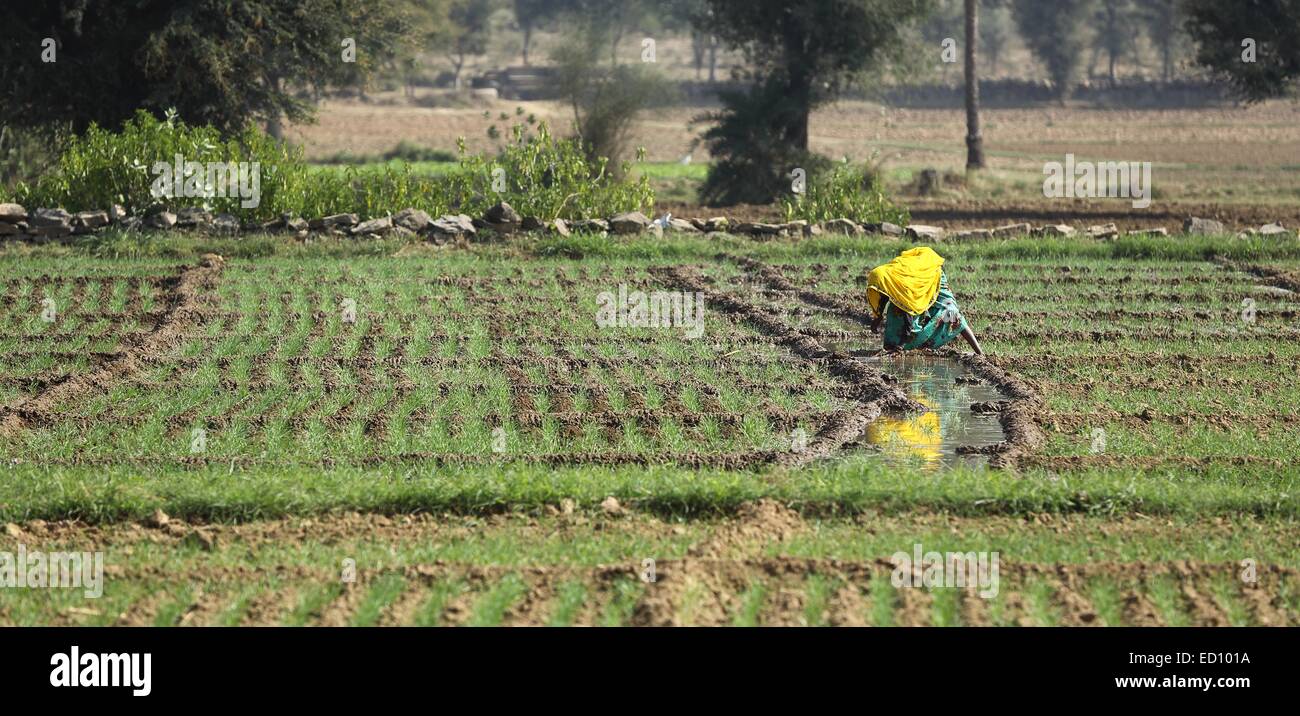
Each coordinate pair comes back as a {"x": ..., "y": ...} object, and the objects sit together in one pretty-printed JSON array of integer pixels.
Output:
[{"x": 931, "y": 438}]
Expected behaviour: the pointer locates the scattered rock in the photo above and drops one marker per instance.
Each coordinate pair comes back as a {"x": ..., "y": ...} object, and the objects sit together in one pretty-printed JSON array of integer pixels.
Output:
[
  {"x": 158, "y": 519},
  {"x": 611, "y": 506},
  {"x": 1022, "y": 229},
  {"x": 568, "y": 505},
  {"x": 631, "y": 222},
  {"x": 502, "y": 215},
  {"x": 377, "y": 227},
  {"x": 716, "y": 223},
  {"x": 193, "y": 216},
  {"x": 117, "y": 212},
  {"x": 682, "y": 226},
  {"x": 1103, "y": 231},
  {"x": 452, "y": 227},
  {"x": 1055, "y": 230},
  {"x": 415, "y": 220},
  {"x": 12, "y": 213},
  {"x": 1274, "y": 229},
  {"x": 205, "y": 538},
  {"x": 923, "y": 232},
  {"x": 758, "y": 228},
  {"x": 229, "y": 224},
  {"x": 1157, "y": 231},
  {"x": 296, "y": 224},
  {"x": 799, "y": 227},
  {"x": 889, "y": 229},
  {"x": 973, "y": 234},
  {"x": 590, "y": 225},
  {"x": 7, "y": 229},
  {"x": 161, "y": 220},
  {"x": 13, "y": 530},
  {"x": 843, "y": 227},
  {"x": 87, "y": 221},
  {"x": 333, "y": 221},
  {"x": 1197, "y": 226},
  {"x": 559, "y": 227},
  {"x": 50, "y": 223},
  {"x": 929, "y": 182},
  {"x": 532, "y": 223}
]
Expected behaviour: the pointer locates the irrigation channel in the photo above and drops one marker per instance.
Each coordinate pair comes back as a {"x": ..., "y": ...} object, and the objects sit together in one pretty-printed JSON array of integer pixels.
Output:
[{"x": 933, "y": 438}]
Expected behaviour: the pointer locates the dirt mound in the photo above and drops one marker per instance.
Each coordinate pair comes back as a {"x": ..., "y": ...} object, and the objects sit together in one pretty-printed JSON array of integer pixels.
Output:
[{"x": 755, "y": 523}]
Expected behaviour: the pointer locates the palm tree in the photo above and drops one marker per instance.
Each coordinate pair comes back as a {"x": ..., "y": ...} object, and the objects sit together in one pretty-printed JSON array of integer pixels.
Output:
[{"x": 974, "y": 141}]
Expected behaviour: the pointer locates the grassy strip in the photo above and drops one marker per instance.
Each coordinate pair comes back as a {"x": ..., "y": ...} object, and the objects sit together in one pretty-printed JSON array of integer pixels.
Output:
[
  {"x": 218, "y": 494},
  {"x": 112, "y": 243}
]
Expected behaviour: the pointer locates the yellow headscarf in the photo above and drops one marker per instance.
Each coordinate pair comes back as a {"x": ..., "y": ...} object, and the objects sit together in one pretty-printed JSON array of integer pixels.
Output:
[{"x": 910, "y": 281}]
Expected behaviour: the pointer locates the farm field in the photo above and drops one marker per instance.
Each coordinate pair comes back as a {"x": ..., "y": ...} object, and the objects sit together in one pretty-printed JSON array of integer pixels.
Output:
[
  {"x": 1233, "y": 163},
  {"x": 451, "y": 424}
]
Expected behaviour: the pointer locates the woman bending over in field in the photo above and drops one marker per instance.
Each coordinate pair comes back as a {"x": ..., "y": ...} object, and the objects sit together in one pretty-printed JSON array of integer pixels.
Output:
[{"x": 910, "y": 296}]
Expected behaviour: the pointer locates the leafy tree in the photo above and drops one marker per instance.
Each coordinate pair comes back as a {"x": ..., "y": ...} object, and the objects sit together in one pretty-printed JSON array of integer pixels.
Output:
[
  {"x": 995, "y": 30},
  {"x": 532, "y": 14},
  {"x": 605, "y": 99},
  {"x": 217, "y": 62},
  {"x": 1220, "y": 29},
  {"x": 1163, "y": 20},
  {"x": 466, "y": 33},
  {"x": 694, "y": 17},
  {"x": 426, "y": 23},
  {"x": 803, "y": 54},
  {"x": 1054, "y": 32},
  {"x": 1116, "y": 23}
]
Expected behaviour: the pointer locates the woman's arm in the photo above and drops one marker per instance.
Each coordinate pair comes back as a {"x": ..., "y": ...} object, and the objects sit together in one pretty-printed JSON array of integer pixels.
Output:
[{"x": 969, "y": 335}]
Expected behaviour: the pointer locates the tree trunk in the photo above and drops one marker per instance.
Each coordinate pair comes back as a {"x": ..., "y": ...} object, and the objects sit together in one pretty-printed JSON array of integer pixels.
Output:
[
  {"x": 713, "y": 58},
  {"x": 275, "y": 123},
  {"x": 528, "y": 39},
  {"x": 974, "y": 140},
  {"x": 697, "y": 53},
  {"x": 457, "y": 62}
]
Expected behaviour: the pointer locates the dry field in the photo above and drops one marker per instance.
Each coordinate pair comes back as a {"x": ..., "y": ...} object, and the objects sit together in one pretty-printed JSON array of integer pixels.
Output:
[{"x": 1238, "y": 163}]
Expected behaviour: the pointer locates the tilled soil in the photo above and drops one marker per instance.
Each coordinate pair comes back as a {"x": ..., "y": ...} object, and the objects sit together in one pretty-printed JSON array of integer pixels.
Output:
[
  {"x": 735, "y": 571},
  {"x": 955, "y": 214},
  {"x": 186, "y": 296}
]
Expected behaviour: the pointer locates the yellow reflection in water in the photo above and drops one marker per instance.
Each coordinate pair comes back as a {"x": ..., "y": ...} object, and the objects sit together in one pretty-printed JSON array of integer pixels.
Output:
[{"x": 918, "y": 435}]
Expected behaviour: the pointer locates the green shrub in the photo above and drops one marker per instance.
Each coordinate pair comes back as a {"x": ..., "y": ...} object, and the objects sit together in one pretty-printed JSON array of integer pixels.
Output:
[
  {"x": 845, "y": 192},
  {"x": 100, "y": 168},
  {"x": 548, "y": 178},
  {"x": 752, "y": 157},
  {"x": 537, "y": 174}
]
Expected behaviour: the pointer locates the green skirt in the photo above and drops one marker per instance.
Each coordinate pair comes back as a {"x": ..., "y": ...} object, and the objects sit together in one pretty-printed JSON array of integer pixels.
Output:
[{"x": 934, "y": 328}]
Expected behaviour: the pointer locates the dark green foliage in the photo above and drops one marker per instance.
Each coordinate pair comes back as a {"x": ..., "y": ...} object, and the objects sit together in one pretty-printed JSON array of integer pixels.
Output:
[
  {"x": 606, "y": 100},
  {"x": 848, "y": 192},
  {"x": 752, "y": 161},
  {"x": 540, "y": 176},
  {"x": 217, "y": 62},
  {"x": 804, "y": 54},
  {"x": 1056, "y": 32},
  {"x": 1219, "y": 28}
]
